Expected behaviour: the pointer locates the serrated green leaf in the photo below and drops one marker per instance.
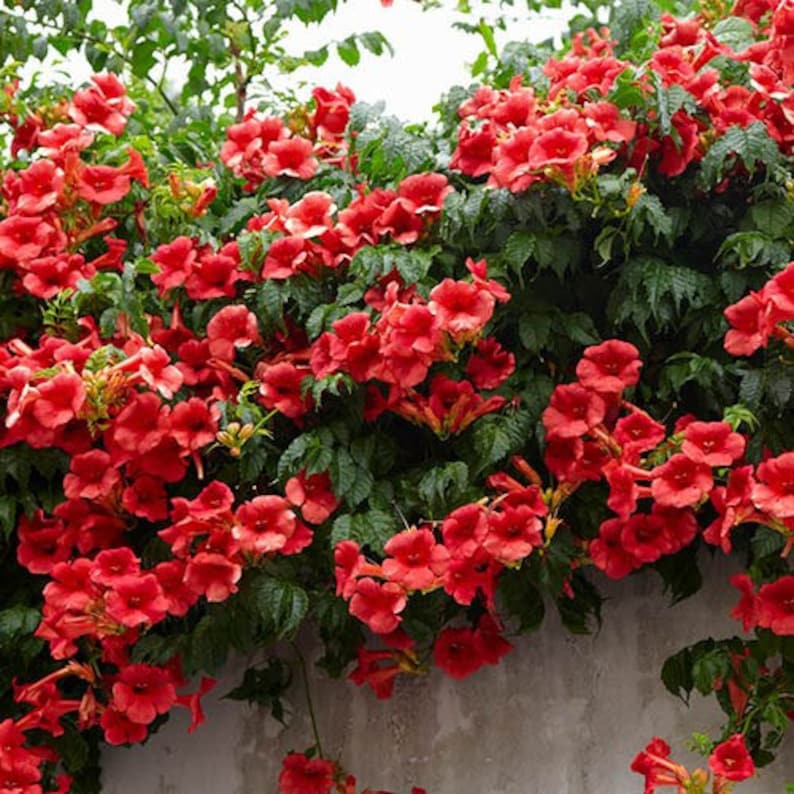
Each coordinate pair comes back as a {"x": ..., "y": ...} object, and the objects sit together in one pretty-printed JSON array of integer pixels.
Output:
[
  {"x": 772, "y": 217},
  {"x": 779, "y": 386},
  {"x": 253, "y": 459},
  {"x": 281, "y": 605},
  {"x": 649, "y": 211},
  {"x": 579, "y": 327},
  {"x": 440, "y": 486},
  {"x": 534, "y": 329},
  {"x": 518, "y": 248},
  {"x": 343, "y": 471},
  {"x": 767, "y": 543},
  {"x": 751, "y": 388},
  {"x": 751, "y": 145},
  {"x": 372, "y": 528},
  {"x": 494, "y": 437}
]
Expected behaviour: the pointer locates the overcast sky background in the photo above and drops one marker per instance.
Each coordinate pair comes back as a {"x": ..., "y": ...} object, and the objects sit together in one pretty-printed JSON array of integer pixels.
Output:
[{"x": 430, "y": 54}]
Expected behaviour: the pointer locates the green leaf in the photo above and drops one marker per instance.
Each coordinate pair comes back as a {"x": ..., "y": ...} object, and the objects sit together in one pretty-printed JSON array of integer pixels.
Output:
[
  {"x": 281, "y": 605},
  {"x": 414, "y": 265},
  {"x": 650, "y": 288},
  {"x": 341, "y": 633},
  {"x": 494, "y": 437},
  {"x": 73, "y": 749},
  {"x": 709, "y": 669},
  {"x": 579, "y": 327},
  {"x": 343, "y": 471},
  {"x": 239, "y": 211},
  {"x": 772, "y": 217},
  {"x": 751, "y": 388},
  {"x": 313, "y": 451},
  {"x": 669, "y": 101},
  {"x": 441, "y": 486},
  {"x": 779, "y": 386},
  {"x": 738, "y": 415},
  {"x": 534, "y": 328},
  {"x": 252, "y": 460},
  {"x": 604, "y": 243},
  {"x": 751, "y": 145},
  {"x": 361, "y": 487},
  {"x": 736, "y": 32},
  {"x": 316, "y": 57},
  {"x": 628, "y": 18},
  {"x": 18, "y": 621},
  {"x": 486, "y": 31},
  {"x": 372, "y": 262},
  {"x": 557, "y": 252},
  {"x": 767, "y": 543},
  {"x": 375, "y": 42},
  {"x": 701, "y": 744},
  {"x": 336, "y": 385},
  {"x": 348, "y": 51},
  {"x": 265, "y": 686},
  {"x": 156, "y": 648},
  {"x": 626, "y": 91},
  {"x": 518, "y": 248},
  {"x": 755, "y": 249},
  {"x": 208, "y": 646},
  {"x": 144, "y": 58},
  {"x": 685, "y": 367},
  {"x": 480, "y": 64},
  {"x": 680, "y": 574},
  {"x": 8, "y": 514},
  {"x": 649, "y": 211},
  {"x": 581, "y": 613},
  {"x": 349, "y": 293},
  {"x": 677, "y": 675},
  {"x": 521, "y": 599},
  {"x": 372, "y": 528}
]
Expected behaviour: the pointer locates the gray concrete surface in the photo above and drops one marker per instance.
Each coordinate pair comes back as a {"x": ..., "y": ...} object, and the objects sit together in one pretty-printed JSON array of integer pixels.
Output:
[{"x": 560, "y": 715}]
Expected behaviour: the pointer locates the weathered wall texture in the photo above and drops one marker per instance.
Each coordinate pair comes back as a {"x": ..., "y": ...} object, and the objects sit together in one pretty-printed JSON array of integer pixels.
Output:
[{"x": 560, "y": 715}]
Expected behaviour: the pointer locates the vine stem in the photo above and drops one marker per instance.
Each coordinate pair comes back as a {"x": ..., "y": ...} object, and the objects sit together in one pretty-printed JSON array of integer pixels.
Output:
[{"x": 309, "y": 702}]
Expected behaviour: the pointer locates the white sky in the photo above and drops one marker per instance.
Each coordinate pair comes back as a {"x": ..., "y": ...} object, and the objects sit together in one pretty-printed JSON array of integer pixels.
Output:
[{"x": 430, "y": 55}]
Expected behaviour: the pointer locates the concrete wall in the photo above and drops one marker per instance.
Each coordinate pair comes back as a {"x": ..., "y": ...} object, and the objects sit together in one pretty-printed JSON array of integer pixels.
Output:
[{"x": 560, "y": 715}]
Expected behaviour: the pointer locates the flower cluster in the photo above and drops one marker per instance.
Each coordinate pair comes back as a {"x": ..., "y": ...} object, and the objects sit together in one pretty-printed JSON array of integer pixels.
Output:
[
  {"x": 463, "y": 555},
  {"x": 60, "y": 201},
  {"x": 729, "y": 761},
  {"x": 566, "y": 133},
  {"x": 593, "y": 433},
  {"x": 410, "y": 336},
  {"x": 303, "y": 775},
  {"x": 518, "y": 138},
  {"x": 262, "y": 147},
  {"x": 761, "y": 316}
]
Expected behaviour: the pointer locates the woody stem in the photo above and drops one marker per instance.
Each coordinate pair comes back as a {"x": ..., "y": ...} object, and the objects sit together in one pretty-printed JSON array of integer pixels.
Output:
[{"x": 309, "y": 703}]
